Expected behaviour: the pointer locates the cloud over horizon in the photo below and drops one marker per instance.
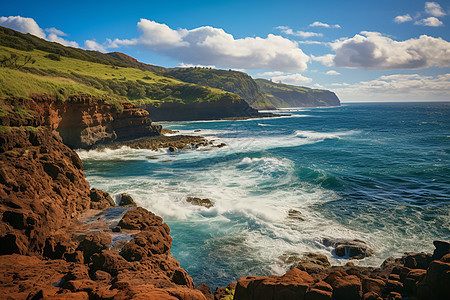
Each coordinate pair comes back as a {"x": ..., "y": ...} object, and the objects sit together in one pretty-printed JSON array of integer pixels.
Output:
[
  {"x": 304, "y": 34},
  {"x": 207, "y": 45},
  {"x": 398, "y": 86},
  {"x": 372, "y": 50},
  {"x": 320, "y": 24}
]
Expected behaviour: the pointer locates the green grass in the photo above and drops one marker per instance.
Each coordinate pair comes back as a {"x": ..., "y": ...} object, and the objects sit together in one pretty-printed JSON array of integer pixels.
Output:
[
  {"x": 4, "y": 128},
  {"x": 69, "y": 76}
]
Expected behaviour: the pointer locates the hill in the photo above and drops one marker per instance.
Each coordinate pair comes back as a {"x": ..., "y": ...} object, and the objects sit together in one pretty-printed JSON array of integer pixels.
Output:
[
  {"x": 259, "y": 93},
  {"x": 32, "y": 66},
  {"x": 284, "y": 95}
]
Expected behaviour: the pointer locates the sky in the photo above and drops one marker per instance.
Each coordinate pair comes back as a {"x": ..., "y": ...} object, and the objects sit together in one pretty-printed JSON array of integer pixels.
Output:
[{"x": 396, "y": 50}]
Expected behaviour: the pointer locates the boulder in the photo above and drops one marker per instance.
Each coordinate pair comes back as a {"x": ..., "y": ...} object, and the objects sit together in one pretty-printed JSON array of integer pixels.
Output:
[
  {"x": 345, "y": 287},
  {"x": 353, "y": 249},
  {"x": 126, "y": 200},
  {"x": 200, "y": 202},
  {"x": 313, "y": 263},
  {"x": 140, "y": 219},
  {"x": 292, "y": 285},
  {"x": 94, "y": 243},
  {"x": 442, "y": 248},
  {"x": 100, "y": 199}
]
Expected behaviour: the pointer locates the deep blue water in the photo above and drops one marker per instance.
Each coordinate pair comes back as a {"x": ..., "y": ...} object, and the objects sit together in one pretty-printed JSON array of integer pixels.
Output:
[{"x": 379, "y": 172}]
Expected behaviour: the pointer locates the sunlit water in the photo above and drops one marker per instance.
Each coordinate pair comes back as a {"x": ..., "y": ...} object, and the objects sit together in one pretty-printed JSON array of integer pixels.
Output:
[{"x": 376, "y": 172}]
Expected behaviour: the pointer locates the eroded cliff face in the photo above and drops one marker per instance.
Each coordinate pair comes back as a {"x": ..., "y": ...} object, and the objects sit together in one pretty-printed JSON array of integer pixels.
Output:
[
  {"x": 45, "y": 250},
  {"x": 225, "y": 108},
  {"x": 82, "y": 121}
]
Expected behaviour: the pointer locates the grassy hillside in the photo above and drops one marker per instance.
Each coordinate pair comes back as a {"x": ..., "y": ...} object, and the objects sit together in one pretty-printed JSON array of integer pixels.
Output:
[
  {"x": 29, "y": 70},
  {"x": 283, "y": 95},
  {"x": 231, "y": 81}
]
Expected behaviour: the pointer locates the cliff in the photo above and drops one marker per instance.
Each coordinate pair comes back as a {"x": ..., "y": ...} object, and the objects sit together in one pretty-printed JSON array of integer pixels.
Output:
[
  {"x": 224, "y": 108},
  {"x": 259, "y": 93},
  {"x": 82, "y": 121},
  {"x": 284, "y": 95},
  {"x": 46, "y": 250}
]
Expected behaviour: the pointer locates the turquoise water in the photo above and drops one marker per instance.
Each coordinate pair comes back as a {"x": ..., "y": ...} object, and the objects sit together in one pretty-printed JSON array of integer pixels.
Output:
[{"x": 376, "y": 172}]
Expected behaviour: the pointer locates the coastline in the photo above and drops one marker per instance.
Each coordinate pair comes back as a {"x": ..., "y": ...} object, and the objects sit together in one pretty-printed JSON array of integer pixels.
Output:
[{"x": 88, "y": 265}]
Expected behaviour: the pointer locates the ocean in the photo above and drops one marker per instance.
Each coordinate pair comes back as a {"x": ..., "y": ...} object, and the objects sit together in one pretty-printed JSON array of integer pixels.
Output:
[{"x": 378, "y": 172}]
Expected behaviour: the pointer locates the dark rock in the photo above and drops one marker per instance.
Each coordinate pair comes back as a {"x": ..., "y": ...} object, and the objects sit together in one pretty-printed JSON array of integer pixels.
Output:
[
  {"x": 200, "y": 202},
  {"x": 295, "y": 215},
  {"x": 319, "y": 291},
  {"x": 126, "y": 200},
  {"x": 353, "y": 249},
  {"x": 417, "y": 260},
  {"x": 347, "y": 287},
  {"x": 100, "y": 199},
  {"x": 442, "y": 248},
  {"x": 436, "y": 283},
  {"x": 116, "y": 229}
]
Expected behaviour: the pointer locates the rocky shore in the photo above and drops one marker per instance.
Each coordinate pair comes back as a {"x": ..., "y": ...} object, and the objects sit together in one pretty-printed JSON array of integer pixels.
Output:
[{"x": 60, "y": 239}]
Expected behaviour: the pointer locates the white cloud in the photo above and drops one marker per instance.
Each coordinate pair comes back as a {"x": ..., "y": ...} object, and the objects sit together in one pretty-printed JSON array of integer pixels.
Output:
[
  {"x": 320, "y": 24},
  {"x": 294, "y": 79},
  {"x": 270, "y": 74},
  {"x": 55, "y": 31},
  {"x": 303, "y": 34},
  {"x": 398, "y": 87},
  {"x": 403, "y": 19},
  {"x": 54, "y": 38},
  {"x": 431, "y": 21},
  {"x": 93, "y": 45},
  {"x": 24, "y": 25},
  {"x": 372, "y": 50},
  {"x": 208, "y": 45},
  {"x": 29, "y": 25},
  {"x": 312, "y": 43},
  {"x": 434, "y": 9},
  {"x": 333, "y": 72}
]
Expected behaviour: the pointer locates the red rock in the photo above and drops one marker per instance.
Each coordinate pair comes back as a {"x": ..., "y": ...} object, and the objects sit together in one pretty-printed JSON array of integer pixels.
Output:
[
  {"x": 394, "y": 296},
  {"x": 371, "y": 296},
  {"x": 292, "y": 285},
  {"x": 140, "y": 219},
  {"x": 100, "y": 199},
  {"x": 94, "y": 243},
  {"x": 154, "y": 240},
  {"x": 318, "y": 291},
  {"x": 373, "y": 285},
  {"x": 394, "y": 286},
  {"x": 346, "y": 287},
  {"x": 436, "y": 283},
  {"x": 206, "y": 291}
]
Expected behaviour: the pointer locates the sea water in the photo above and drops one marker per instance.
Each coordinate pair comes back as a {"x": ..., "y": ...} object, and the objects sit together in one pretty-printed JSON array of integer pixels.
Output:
[{"x": 377, "y": 172}]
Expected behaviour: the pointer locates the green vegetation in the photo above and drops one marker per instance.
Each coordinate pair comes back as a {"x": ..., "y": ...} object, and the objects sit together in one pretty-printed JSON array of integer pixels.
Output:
[
  {"x": 63, "y": 71},
  {"x": 283, "y": 95},
  {"x": 4, "y": 128},
  {"x": 231, "y": 81}
]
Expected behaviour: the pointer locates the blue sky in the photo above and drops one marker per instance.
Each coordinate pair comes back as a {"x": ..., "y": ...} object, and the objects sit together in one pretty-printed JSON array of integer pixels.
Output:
[{"x": 363, "y": 50}]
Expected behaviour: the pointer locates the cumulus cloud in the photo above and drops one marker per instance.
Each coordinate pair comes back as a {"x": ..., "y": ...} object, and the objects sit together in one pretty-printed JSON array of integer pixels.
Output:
[
  {"x": 320, "y": 24},
  {"x": 398, "y": 87},
  {"x": 372, "y": 50},
  {"x": 333, "y": 72},
  {"x": 94, "y": 45},
  {"x": 403, "y": 19},
  {"x": 24, "y": 25},
  {"x": 431, "y": 21},
  {"x": 303, "y": 34},
  {"x": 29, "y": 25},
  {"x": 294, "y": 79},
  {"x": 434, "y": 9},
  {"x": 208, "y": 45}
]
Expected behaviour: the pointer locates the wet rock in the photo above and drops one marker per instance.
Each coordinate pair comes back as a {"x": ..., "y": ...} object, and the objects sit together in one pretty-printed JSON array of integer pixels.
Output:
[
  {"x": 100, "y": 199},
  {"x": 417, "y": 260},
  {"x": 295, "y": 215},
  {"x": 373, "y": 285},
  {"x": 200, "y": 202},
  {"x": 442, "y": 248},
  {"x": 353, "y": 249},
  {"x": 126, "y": 200},
  {"x": 313, "y": 263},
  {"x": 319, "y": 291}
]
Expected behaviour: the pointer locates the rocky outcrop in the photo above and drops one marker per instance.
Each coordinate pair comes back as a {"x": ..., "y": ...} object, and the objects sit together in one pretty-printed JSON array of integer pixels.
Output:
[
  {"x": 414, "y": 276},
  {"x": 224, "y": 108},
  {"x": 42, "y": 187},
  {"x": 200, "y": 202},
  {"x": 82, "y": 121},
  {"x": 353, "y": 249}
]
